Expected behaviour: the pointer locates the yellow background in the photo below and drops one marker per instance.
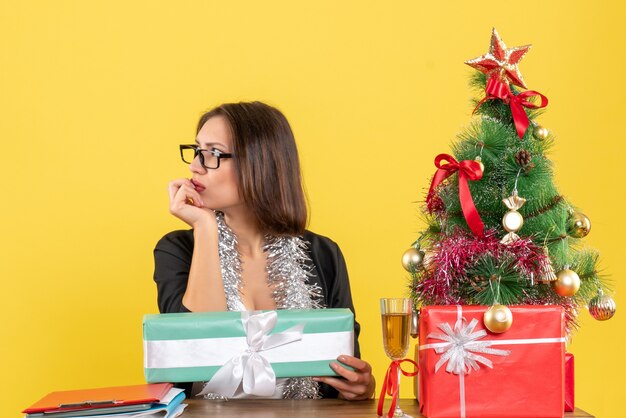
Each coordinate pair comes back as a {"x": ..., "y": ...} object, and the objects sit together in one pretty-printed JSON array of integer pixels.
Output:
[{"x": 96, "y": 96}]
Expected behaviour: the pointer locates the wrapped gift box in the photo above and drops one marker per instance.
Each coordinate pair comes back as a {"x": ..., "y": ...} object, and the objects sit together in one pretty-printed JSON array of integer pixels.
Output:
[
  {"x": 569, "y": 382},
  {"x": 188, "y": 347},
  {"x": 526, "y": 377}
]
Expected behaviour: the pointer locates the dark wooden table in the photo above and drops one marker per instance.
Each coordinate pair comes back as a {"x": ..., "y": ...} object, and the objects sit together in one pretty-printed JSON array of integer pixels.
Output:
[{"x": 326, "y": 408}]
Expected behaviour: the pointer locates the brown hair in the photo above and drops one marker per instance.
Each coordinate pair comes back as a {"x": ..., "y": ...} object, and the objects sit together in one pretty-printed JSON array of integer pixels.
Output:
[{"x": 267, "y": 165}]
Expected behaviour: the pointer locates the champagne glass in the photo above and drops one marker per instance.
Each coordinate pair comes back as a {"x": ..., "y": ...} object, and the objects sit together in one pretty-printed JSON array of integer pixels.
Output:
[{"x": 396, "y": 317}]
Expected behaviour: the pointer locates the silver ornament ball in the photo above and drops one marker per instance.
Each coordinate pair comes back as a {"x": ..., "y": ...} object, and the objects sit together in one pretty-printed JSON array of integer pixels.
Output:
[{"x": 415, "y": 324}]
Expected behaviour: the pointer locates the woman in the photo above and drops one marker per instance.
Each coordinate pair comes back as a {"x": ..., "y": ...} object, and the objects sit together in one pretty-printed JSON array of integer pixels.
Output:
[{"x": 248, "y": 248}]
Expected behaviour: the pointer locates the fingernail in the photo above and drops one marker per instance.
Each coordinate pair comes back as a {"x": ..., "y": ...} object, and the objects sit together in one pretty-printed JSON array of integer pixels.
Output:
[
  {"x": 315, "y": 379},
  {"x": 341, "y": 358}
]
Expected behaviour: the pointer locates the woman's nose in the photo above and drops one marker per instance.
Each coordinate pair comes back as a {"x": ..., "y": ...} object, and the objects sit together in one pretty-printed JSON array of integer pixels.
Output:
[{"x": 196, "y": 166}]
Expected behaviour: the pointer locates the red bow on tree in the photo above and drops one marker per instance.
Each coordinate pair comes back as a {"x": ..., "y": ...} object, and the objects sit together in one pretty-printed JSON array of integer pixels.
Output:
[
  {"x": 390, "y": 385},
  {"x": 468, "y": 170},
  {"x": 496, "y": 89}
]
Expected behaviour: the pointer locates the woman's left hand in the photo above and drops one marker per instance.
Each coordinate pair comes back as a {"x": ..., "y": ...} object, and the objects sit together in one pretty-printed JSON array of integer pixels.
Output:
[{"x": 359, "y": 383}]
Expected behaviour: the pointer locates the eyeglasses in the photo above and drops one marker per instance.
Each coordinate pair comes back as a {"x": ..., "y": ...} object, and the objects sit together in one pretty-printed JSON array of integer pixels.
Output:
[{"x": 209, "y": 158}]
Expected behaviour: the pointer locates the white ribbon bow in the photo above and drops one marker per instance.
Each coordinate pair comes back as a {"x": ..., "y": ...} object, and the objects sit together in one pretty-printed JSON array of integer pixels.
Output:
[
  {"x": 250, "y": 366},
  {"x": 460, "y": 347}
]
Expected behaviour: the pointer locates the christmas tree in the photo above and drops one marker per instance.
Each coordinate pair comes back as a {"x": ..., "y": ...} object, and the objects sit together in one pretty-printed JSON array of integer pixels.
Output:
[{"x": 498, "y": 231}]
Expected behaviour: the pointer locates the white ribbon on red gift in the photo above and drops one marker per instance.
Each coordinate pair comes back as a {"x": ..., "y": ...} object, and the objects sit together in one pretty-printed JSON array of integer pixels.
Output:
[
  {"x": 250, "y": 366},
  {"x": 461, "y": 344}
]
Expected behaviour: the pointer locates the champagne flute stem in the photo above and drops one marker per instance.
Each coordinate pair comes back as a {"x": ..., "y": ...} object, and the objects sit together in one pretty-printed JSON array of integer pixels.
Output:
[{"x": 398, "y": 412}]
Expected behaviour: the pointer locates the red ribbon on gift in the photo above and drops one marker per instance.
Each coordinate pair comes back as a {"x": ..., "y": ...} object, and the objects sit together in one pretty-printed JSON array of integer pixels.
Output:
[
  {"x": 468, "y": 170},
  {"x": 391, "y": 387},
  {"x": 496, "y": 89}
]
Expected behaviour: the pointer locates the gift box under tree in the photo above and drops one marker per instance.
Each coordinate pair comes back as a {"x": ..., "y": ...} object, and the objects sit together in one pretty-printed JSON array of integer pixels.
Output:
[{"x": 467, "y": 371}]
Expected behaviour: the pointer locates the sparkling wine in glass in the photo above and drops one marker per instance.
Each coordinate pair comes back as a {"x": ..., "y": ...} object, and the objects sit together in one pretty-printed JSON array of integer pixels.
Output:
[{"x": 396, "y": 319}]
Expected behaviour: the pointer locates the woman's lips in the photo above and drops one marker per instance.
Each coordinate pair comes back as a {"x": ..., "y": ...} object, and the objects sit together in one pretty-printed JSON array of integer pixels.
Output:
[{"x": 199, "y": 187}]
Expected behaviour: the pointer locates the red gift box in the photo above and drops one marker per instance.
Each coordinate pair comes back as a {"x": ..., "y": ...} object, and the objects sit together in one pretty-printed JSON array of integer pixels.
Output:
[
  {"x": 519, "y": 373},
  {"x": 569, "y": 382}
]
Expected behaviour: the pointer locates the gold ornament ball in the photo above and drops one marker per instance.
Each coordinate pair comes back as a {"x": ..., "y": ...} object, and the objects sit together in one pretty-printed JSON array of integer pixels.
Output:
[
  {"x": 540, "y": 133},
  {"x": 512, "y": 221},
  {"x": 412, "y": 258},
  {"x": 498, "y": 319},
  {"x": 578, "y": 225},
  {"x": 567, "y": 283},
  {"x": 602, "y": 307},
  {"x": 480, "y": 163}
]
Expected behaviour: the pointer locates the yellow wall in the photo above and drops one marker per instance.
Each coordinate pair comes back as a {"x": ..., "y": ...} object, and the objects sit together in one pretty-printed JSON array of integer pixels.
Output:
[{"x": 96, "y": 96}]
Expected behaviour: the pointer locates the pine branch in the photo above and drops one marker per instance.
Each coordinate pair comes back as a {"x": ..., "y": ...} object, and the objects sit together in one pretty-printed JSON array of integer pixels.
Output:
[{"x": 495, "y": 281}]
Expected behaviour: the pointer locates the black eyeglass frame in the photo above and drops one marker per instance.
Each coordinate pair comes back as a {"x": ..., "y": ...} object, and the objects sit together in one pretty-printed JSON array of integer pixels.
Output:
[{"x": 197, "y": 152}]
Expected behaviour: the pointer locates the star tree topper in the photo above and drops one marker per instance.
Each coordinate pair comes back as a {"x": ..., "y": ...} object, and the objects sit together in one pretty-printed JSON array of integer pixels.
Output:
[{"x": 501, "y": 61}]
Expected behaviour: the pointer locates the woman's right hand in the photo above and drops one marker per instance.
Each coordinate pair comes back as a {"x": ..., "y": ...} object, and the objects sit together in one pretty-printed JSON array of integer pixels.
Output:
[{"x": 187, "y": 205}]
